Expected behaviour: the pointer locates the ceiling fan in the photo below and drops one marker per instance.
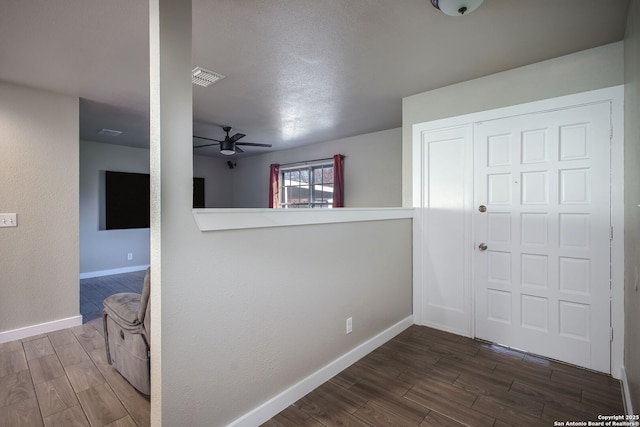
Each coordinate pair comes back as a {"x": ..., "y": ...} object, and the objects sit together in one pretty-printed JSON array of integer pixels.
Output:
[{"x": 229, "y": 145}]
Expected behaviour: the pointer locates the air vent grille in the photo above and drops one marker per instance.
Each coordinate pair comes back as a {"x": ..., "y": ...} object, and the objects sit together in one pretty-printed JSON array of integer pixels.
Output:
[{"x": 205, "y": 78}]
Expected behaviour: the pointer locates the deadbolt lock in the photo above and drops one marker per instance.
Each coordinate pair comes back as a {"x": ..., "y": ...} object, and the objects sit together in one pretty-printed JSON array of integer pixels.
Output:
[{"x": 482, "y": 208}]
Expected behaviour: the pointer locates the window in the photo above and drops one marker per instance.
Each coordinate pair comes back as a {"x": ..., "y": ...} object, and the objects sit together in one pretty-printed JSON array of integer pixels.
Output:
[{"x": 308, "y": 186}]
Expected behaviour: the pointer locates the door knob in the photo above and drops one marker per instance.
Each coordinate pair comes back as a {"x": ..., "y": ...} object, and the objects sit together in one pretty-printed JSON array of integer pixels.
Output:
[
  {"x": 482, "y": 247},
  {"x": 482, "y": 208}
]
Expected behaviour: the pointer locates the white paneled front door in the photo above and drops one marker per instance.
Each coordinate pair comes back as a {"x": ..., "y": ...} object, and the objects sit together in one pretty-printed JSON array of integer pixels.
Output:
[{"x": 541, "y": 226}]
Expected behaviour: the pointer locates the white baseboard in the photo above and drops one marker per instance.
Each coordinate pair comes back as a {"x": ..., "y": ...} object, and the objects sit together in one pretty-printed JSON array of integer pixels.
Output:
[
  {"x": 101, "y": 273},
  {"x": 273, "y": 406},
  {"x": 626, "y": 395},
  {"x": 42, "y": 328}
]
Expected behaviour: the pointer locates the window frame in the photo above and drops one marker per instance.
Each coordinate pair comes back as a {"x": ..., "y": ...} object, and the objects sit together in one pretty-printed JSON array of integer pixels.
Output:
[{"x": 310, "y": 186}]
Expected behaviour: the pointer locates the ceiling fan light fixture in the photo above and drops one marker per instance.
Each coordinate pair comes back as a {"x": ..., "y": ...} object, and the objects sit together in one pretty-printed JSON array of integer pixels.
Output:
[
  {"x": 456, "y": 7},
  {"x": 203, "y": 77},
  {"x": 227, "y": 147}
]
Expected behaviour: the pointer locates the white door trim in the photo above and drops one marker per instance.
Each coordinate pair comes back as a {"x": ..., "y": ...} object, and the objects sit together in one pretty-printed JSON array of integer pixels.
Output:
[{"x": 613, "y": 94}]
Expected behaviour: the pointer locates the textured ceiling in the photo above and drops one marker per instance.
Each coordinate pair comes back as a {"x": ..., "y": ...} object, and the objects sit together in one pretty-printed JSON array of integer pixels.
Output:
[{"x": 297, "y": 72}]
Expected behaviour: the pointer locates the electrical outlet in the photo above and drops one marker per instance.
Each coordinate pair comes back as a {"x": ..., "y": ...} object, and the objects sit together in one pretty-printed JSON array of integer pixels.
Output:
[
  {"x": 129, "y": 256},
  {"x": 8, "y": 220},
  {"x": 349, "y": 325}
]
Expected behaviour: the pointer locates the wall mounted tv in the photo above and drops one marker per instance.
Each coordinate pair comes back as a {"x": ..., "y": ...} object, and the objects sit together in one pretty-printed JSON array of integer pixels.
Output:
[{"x": 127, "y": 200}]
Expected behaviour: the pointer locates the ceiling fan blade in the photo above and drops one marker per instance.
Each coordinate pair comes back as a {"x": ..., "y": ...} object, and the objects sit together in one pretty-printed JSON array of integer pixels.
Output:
[
  {"x": 237, "y": 136},
  {"x": 208, "y": 139},
  {"x": 253, "y": 144},
  {"x": 238, "y": 149},
  {"x": 205, "y": 145}
]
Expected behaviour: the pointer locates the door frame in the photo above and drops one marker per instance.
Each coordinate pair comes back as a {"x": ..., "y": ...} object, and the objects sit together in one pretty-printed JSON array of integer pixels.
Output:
[{"x": 614, "y": 95}]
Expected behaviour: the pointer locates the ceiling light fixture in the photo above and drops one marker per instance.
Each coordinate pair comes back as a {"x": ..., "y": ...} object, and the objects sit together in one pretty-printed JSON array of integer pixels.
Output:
[
  {"x": 456, "y": 7},
  {"x": 203, "y": 77},
  {"x": 227, "y": 147},
  {"x": 109, "y": 132}
]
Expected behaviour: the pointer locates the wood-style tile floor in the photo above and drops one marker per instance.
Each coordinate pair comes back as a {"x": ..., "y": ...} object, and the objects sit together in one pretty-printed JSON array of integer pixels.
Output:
[
  {"x": 63, "y": 379},
  {"x": 425, "y": 377}
]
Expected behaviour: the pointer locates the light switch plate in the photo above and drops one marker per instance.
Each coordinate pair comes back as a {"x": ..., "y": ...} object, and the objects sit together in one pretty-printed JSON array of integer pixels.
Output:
[{"x": 8, "y": 220}]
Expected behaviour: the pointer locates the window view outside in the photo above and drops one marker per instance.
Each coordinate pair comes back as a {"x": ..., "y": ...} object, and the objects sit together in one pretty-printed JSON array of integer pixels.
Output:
[{"x": 307, "y": 187}]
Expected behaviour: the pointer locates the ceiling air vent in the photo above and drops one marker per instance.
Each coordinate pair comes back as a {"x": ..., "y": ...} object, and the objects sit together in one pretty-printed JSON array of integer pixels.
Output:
[{"x": 203, "y": 77}]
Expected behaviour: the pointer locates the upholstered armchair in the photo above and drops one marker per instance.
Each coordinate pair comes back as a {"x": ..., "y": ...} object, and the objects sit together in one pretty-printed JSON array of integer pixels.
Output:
[{"x": 127, "y": 329}]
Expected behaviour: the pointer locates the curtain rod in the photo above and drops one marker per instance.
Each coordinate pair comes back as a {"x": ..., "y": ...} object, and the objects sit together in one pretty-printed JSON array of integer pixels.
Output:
[{"x": 306, "y": 162}]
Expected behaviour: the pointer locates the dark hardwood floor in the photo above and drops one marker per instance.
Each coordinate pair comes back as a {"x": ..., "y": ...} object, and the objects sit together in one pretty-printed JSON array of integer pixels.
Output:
[{"x": 425, "y": 377}]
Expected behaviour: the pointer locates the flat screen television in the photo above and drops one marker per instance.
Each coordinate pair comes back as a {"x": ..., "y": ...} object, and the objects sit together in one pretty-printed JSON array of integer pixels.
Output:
[
  {"x": 127, "y": 200},
  {"x": 198, "y": 193}
]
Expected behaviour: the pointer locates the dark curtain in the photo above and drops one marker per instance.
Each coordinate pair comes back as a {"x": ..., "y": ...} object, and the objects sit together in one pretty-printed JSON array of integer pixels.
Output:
[
  {"x": 274, "y": 186},
  {"x": 338, "y": 182}
]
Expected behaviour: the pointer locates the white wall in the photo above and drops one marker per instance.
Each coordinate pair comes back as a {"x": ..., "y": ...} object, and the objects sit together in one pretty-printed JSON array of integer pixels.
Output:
[
  {"x": 267, "y": 307},
  {"x": 596, "y": 68},
  {"x": 372, "y": 170},
  {"x": 632, "y": 200},
  {"x": 218, "y": 186},
  {"x": 245, "y": 314},
  {"x": 39, "y": 175},
  {"x": 105, "y": 251}
]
